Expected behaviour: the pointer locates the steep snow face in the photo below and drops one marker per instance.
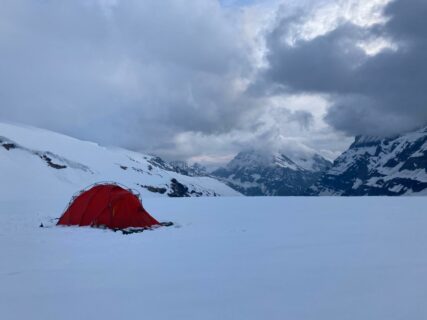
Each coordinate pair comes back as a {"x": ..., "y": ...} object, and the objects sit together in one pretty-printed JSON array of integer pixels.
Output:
[
  {"x": 373, "y": 166},
  {"x": 275, "y": 174},
  {"x": 43, "y": 163}
]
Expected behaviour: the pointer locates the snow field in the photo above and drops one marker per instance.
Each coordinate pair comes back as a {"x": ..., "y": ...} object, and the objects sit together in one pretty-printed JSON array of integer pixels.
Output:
[{"x": 226, "y": 258}]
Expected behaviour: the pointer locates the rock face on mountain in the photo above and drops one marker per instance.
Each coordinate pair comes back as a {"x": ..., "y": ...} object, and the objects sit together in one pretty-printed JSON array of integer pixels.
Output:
[
  {"x": 375, "y": 166},
  {"x": 256, "y": 173}
]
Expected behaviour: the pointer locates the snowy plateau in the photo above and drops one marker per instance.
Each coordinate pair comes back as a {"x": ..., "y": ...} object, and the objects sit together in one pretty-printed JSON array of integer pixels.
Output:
[{"x": 228, "y": 258}]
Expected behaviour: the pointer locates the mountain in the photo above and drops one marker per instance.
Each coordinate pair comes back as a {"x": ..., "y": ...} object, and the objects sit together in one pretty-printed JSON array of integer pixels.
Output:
[
  {"x": 376, "y": 166},
  {"x": 42, "y": 163},
  {"x": 260, "y": 173},
  {"x": 194, "y": 170}
]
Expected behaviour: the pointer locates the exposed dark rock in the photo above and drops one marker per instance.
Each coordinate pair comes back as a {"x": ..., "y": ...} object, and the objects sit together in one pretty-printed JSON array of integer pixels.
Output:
[
  {"x": 159, "y": 162},
  {"x": 154, "y": 189},
  {"x": 51, "y": 164},
  {"x": 196, "y": 193},
  {"x": 9, "y": 146},
  {"x": 178, "y": 189},
  {"x": 138, "y": 170}
]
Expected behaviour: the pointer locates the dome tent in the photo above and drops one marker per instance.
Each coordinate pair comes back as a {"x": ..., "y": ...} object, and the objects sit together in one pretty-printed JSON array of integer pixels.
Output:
[{"x": 107, "y": 205}]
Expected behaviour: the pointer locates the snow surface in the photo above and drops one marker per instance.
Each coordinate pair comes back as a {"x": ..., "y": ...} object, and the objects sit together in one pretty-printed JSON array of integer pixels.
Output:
[{"x": 226, "y": 258}]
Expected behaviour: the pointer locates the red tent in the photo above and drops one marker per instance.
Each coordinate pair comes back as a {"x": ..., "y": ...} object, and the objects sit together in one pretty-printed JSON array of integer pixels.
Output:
[{"x": 107, "y": 205}]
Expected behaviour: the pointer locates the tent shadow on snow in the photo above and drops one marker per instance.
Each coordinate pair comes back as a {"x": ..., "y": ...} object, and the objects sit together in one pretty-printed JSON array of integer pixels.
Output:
[{"x": 109, "y": 206}]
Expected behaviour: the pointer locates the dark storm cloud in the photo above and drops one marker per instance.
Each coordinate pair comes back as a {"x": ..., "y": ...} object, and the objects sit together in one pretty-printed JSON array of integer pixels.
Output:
[
  {"x": 132, "y": 73},
  {"x": 380, "y": 94},
  {"x": 170, "y": 77}
]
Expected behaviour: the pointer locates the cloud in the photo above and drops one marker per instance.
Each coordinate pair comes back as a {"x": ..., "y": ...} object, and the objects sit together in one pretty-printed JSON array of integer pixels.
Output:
[
  {"x": 381, "y": 93},
  {"x": 303, "y": 118},
  {"x": 182, "y": 78},
  {"x": 121, "y": 72}
]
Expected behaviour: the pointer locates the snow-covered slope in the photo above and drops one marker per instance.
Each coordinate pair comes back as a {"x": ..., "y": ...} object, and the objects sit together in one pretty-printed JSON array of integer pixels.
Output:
[
  {"x": 43, "y": 163},
  {"x": 374, "y": 166},
  {"x": 255, "y": 172}
]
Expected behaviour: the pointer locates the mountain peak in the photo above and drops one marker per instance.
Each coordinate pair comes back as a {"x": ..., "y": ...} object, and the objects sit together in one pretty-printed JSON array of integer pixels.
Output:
[
  {"x": 261, "y": 172},
  {"x": 252, "y": 158}
]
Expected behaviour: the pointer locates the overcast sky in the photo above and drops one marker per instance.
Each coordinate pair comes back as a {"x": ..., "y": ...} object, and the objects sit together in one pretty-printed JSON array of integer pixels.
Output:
[{"x": 202, "y": 79}]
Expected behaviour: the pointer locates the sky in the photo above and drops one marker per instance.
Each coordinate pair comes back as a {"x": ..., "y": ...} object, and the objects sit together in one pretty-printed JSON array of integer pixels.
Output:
[{"x": 201, "y": 80}]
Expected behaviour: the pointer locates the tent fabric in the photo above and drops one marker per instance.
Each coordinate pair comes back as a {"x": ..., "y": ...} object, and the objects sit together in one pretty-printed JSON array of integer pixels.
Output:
[{"x": 107, "y": 205}]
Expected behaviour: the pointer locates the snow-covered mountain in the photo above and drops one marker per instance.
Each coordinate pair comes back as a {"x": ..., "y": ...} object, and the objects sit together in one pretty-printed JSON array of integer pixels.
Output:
[
  {"x": 194, "y": 170},
  {"x": 42, "y": 163},
  {"x": 257, "y": 173},
  {"x": 375, "y": 166}
]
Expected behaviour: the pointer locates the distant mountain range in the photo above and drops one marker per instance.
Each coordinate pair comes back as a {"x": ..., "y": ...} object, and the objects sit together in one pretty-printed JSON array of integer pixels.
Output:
[
  {"x": 371, "y": 166},
  {"x": 43, "y": 163},
  {"x": 260, "y": 173},
  {"x": 376, "y": 166}
]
